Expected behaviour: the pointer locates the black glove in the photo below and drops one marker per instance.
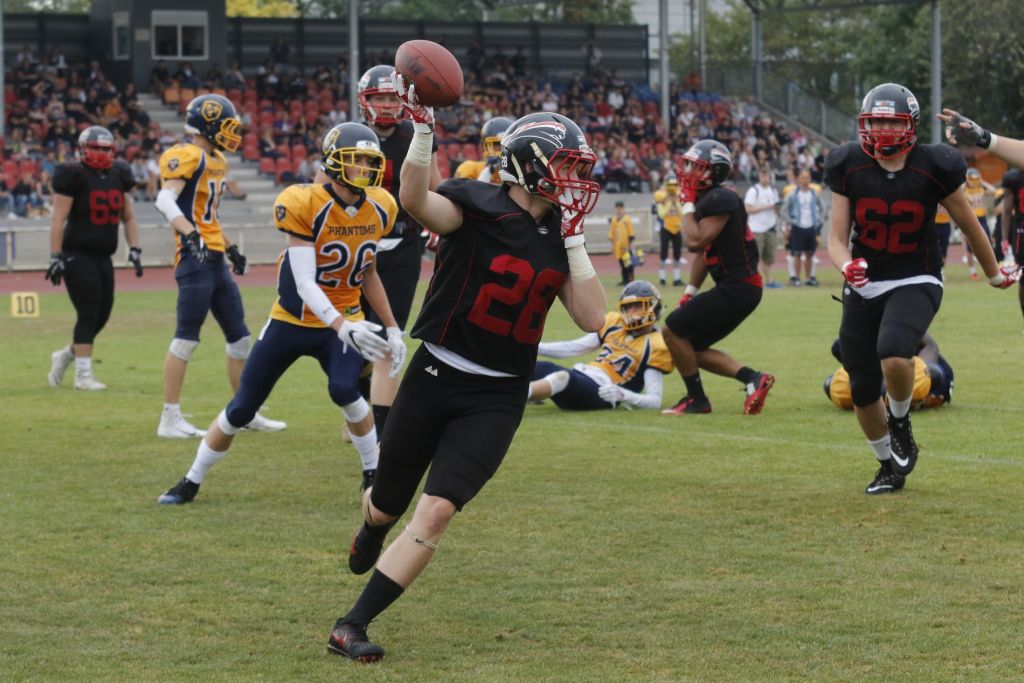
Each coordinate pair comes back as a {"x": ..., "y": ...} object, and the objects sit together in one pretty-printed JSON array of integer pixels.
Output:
[
  {"x": 135, "y": 258},
  {"x": 196, "y": 246},
  {"x": 972, "y": 136},
  {"x": 237, "y": 260},
  {"x": 56, "y": 270}
]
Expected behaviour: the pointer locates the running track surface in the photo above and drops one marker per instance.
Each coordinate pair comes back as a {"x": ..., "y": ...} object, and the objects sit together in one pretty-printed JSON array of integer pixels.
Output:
[{"x": 162, "y": 278}]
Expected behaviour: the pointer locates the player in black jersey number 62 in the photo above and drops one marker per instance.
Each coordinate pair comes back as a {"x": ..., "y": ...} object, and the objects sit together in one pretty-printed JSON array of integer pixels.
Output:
[
  {"x": 91, "y": 198},
  {"x": 887, "y": 188},
  {"x": 506, "y": 251}
]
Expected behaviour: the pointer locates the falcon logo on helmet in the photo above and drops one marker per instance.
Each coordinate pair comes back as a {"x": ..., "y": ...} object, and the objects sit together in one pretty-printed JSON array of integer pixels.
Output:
[
  {"x": 547, "y": 155},
  {"x": 97, "y": 146},
  {"x": 214, "y": 118},
  {"x": 383, "y": 112},
  {"x": 649, "y": 312},
  {"x": 887, "y": 124},
  {"x": 351, "y": 156}
]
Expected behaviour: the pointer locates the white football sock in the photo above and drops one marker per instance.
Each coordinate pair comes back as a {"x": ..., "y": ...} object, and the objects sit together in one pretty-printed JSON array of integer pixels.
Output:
[
  {"x": 83, "y": 365},
  {"x": 367, "y": 447},
  {"x": 791, "y": 265},
  {"x": 661, "y": 273},
  {"x": 675, "y": 274},
  {"x": 206, "y": 458},
  {"x": 881, "y": 448},
  {"x": 814, "y": 268},
  {"x": 899, "y": 408},
  {"x": 172, "y": 409}
]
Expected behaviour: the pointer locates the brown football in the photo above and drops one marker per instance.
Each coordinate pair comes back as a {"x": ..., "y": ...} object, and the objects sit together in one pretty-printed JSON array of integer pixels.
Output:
[{"x": 433, "y": 69}]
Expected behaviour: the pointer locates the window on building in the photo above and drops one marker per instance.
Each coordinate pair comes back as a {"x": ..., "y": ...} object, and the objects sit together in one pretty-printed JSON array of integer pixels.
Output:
[
  {"x": 180, "y": 35},
  {"x": 122, "y": 33}
]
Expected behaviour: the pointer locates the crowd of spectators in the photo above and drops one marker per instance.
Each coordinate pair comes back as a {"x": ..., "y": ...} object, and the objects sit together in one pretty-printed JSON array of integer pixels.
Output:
[
  {"x": 47, "y": 103},
  {"x": 286, "y": 112}
]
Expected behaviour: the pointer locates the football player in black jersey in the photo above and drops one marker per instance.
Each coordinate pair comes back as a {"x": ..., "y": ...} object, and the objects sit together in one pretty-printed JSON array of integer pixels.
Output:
[
  {"x": 885, "y": 190},
  {"x": 400, "y": 253},
  {"x": 715, "y": 223},
  {"x": 91, "y": 198},
  {"x": 505, "y": 253},
  {"x": 966, "y": 133}
]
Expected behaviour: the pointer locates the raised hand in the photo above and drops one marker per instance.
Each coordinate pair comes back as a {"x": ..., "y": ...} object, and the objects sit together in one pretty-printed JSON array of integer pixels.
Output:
[{"x": 407, "y": 96}]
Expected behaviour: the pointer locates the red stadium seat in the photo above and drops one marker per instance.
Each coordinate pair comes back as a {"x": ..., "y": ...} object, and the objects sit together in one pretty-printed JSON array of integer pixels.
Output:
[
  {"x": 266, "y": 119},
  {"x": 299, "y": 152},
  {"x": 283, "y": 150},
  {"x": 266, "y": 104},
  {"x": 250, "y": 96},
  {"x": 251, "y": 152},
  {"x": 296, "y": 106},
  {"x": 10, "y": 169},
  {"x": 187, "y": 94},
  {"x": 235, "y": 95},
  {"x": 283, "y": 166},
  {"x": 267, "y": 165},
  {"x": 470, "y": 151}
]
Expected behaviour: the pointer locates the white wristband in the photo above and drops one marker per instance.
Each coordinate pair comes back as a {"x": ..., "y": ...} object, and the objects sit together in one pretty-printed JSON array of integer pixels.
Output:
[
  {"x": 580, "y": 267},
  {"x": 688, "y": 207},
  {"x": 992, "y": 142},
  {"x": 691, "y": 290},
  {"x": 420, "y": 148},
  {"x": 997, "y": 279}
]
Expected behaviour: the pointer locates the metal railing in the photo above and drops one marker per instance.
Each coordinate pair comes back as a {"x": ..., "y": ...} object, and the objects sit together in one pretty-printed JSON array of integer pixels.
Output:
[{"x": 28, "y": 247}]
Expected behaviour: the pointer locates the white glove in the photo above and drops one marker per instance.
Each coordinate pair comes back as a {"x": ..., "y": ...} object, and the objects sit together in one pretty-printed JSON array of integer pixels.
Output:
[
  {"x": 397, "y": 347},
  {"x": 612, "y": 393},
  {"x": 362, "y": 336}
]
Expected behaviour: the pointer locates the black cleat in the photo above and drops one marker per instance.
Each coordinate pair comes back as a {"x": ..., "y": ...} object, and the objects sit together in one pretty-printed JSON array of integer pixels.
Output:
[
  {"x": 368, "y": 476},
  {"x": 886, "y": 481},
  {"x": 677, "y": 283},
  {"x": 812, "y": 282},
  {"x": 182, "y": 492},
  {"x": 689, "y": 406},
  {"x": 349, "y": 640},
  {"x": 794, "y": 282},
  {"x": 366, "y": 549},
  {"x": 904, "y": 448}
]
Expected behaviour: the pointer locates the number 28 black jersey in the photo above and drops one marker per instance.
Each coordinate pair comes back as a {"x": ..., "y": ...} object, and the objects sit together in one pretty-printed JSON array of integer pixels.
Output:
[
  {"x": 893, "y": 213},
  {"x": 97, "y": 202},
  {"x": 733, "y": 254},
  {"x": 494, "y": 280}
]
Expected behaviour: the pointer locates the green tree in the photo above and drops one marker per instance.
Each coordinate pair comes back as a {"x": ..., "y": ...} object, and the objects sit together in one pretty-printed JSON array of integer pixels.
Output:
[
  {"x": 262, "y": 8},
  {"x": 427, "y": 10},
  {"x": 54, "y": 6}
]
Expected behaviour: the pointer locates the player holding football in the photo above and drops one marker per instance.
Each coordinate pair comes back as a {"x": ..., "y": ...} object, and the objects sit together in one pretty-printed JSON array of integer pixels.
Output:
[
  {"x": 91, "y": 197},
  {"x": 628, "y": 370},
  {"x": 714, "y": 222},
  {"x": 333, "y": 231},
  {"x": 486, "y": 169},
  {"x": 887, "y": 188},
  {"x": 507, "y": 252},
  {"x": 192, "y": 181}
]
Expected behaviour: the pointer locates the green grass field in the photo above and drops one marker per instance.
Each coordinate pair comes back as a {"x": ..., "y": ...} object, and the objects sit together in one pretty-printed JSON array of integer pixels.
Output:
[{"x": 621, "y": 546}]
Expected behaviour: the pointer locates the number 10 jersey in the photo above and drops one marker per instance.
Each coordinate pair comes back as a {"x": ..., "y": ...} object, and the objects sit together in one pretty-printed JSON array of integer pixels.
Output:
[{"x": 494, "y": 280}]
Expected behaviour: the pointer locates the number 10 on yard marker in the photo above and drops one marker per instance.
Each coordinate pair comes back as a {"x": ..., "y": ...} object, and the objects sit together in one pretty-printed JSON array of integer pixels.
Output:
[{"x": 24, "y": 304}]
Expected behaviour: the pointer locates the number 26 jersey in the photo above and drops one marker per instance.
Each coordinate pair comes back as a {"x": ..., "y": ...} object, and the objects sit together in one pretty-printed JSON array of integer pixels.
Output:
[
  {"x": 893, "y": 213},
  {"x": 345, "y": 238},
  {"x": 494, "y": 280}
]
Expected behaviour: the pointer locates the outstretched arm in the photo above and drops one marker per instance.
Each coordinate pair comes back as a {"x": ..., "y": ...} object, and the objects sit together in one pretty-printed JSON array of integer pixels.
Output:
[{"x": 962, "y": 132}]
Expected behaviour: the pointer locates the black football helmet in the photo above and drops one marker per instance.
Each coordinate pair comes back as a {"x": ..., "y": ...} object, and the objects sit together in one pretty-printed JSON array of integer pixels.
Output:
[
  {"x": 888, "y": 121},
  {"x": 355, "y": 146},
  {"x": 491, "y": 134},
  {"x": 214, "y": 117},
  {"x": 548, "y": 156},
  {"x": 642, "y": 292},
  {"x": 706, "y": 164},
  {"x": 379, "y": 80},
  {"x": 97, "y": 146}
]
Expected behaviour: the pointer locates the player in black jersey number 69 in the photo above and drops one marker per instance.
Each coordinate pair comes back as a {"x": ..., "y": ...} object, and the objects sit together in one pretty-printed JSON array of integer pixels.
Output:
[
  {"x": 91, "y": 198},
  {"x": 505, "y": 253},
  {"x": 887, "y": 188}
]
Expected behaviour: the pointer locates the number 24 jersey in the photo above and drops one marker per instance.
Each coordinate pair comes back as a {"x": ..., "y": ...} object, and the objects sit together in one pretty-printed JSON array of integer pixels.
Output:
[
  {"x": 893, "y": 213},
  {"x": 345, "y": 238}
]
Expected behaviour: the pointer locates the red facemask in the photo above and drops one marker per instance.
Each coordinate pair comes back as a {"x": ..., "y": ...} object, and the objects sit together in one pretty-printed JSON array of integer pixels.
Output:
[
  {"x": 568, "y": 183},
  {"x": 98, "y": 155},
  {"x": 889, "y": 142}
]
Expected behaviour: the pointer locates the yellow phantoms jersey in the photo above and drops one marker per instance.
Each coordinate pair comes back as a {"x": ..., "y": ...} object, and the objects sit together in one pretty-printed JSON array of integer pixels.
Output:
[
  {"x": 976, "y": 200},
  {"x": 941, "y": 215},
  {"x": 624, "y": 358},
  {"x": 671, "y": 214},
  {"x": 204, "y": 175},
  {"x": 839, "y": 388},
  {"x": 619, "y": 232},
  {"x": 345, "y": 238},
  {"x": 472, "y": 170}
]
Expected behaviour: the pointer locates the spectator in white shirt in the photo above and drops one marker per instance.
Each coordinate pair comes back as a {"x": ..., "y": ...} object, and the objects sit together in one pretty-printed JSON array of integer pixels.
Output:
[{"x": 762, "y": 201}]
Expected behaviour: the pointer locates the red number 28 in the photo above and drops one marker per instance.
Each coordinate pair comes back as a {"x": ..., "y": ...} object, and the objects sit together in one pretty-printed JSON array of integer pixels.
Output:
[{"x": 538, "y": 291}]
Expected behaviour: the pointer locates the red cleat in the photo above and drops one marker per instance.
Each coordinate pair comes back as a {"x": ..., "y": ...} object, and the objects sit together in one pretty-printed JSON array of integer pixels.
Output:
[
  {"x": 349, "y": 640},
  {"x": 756, "y": 397},
  {"x": 689, "y": 406}
]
